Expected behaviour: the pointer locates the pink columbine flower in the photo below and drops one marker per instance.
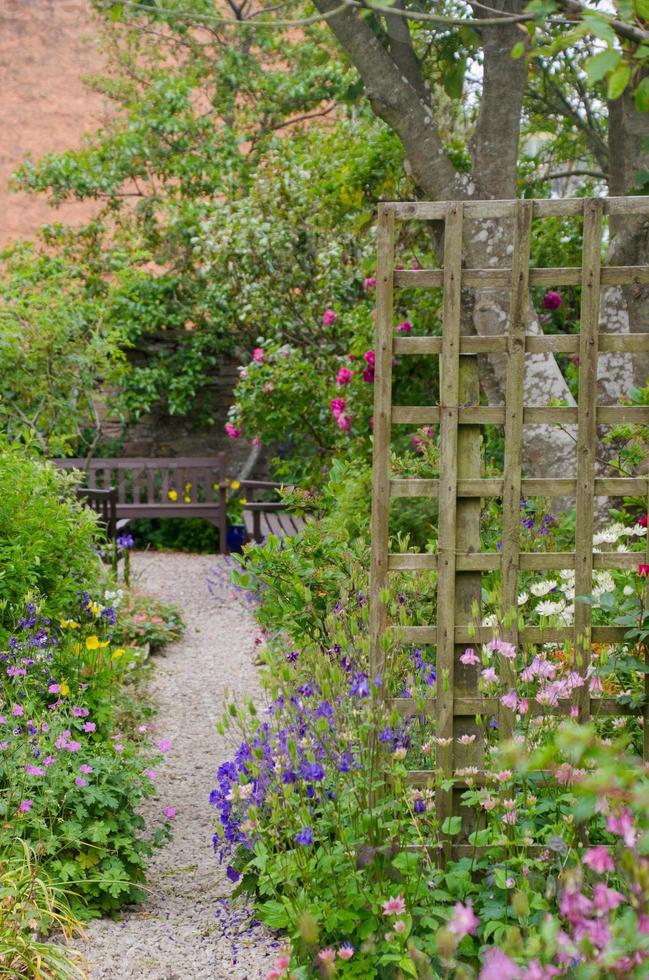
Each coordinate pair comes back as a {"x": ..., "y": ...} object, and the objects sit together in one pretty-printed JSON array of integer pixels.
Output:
[
  {"x": 369, "y": 283},
  {"x": 595, "y": 684},
  {"x": 498, "y": 966},
  {"x": 523, "y": 706},
  {"x": 344, "y": 422},
  {"x": 509, "y": 700},
  {"x": 599, "y": 859},
  {"x": 329, "y": 317},
  {"x": 231, "y": 430},
  {"x": 469, "y": 657},
  {"x": 370, "y": 358},
  {"x": 507, "y": 650},
  {"x": 164, "y": 744},
  {"x": 85, "y": 768},
  {"x": 25, "y": 806},
  {"x": 606, "y": 899},
  {"x": 404, "y": 327},
  {"x": 394, "y": 906},
  {"x": 34, "y": 770},
  {"x": 258, "y": 355},
  {"x": 552, "y": 300},
  {"x": 344, "y": 376},
  {"x": 89, "y": 726},
  {"x": 80, "y": 781},
  {"x": 463, "y": 921},
  {"x": 17, "y": 711},
  {"x": 489, "y": 676},
  {"x": 169, "y": 812},
  {"x": 623, "y": 826},
  {"x": 337, "y": 406},
  {"x": 346, "y": 952},
  {"x": 511, "y": 817}
]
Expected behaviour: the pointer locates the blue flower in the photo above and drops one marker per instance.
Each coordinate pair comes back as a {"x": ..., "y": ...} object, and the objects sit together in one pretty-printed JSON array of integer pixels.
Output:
[
  {"x": 232, "y": 874},
  {"x": 125, "y": 541},
  {"x": 305, "y": 837}
]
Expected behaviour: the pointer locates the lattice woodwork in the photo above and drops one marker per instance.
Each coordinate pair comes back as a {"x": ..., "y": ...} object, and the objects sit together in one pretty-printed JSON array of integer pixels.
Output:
[{"x": 459, "y": 487}]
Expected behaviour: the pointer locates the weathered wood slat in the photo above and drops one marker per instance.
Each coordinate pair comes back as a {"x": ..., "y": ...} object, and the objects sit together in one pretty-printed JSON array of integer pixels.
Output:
[
  {"x": 557, "y": 343},
  {"x": 617, "y": 275},
  {"x": 587, "y": 439},
  {"x": 470, "y": 707},
  {"x": 476, "y": 210},
  {"x": 382, "y": 435},
  {"x": 424, "y": 635},
  {"x": 449, "y": 402},
  {"x": 605, "y": 415},
  {"x": 512, "y": 480},
  {"x": 491, "y": 561},
  {"x": 493, "y": 487}
]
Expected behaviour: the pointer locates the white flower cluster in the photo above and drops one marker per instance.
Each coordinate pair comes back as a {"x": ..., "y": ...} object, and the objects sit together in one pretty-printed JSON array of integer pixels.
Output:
[{"x": 114, "y": 599}]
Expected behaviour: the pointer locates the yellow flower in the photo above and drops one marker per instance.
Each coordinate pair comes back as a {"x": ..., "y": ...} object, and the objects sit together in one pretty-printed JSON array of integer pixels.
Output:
[
  {"x": 235, "y": 484},
  {"x": 173, "y": 495},
  {"x": 187, "y": 499},
  {"x": 188, "y": 487},
  {"x": 65, "y": 689},
  {"x": 118, "y": 653},
  {"x": 94, "y": 643},
  {"x": 95, "y": 608},
  {"x": 244, "y": 501},
  {"x": 69, "y": 624}
]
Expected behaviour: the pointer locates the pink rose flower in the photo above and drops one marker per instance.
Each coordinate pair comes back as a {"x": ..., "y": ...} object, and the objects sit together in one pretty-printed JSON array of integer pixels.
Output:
[
  {"x": 337, "y": 406},
  {"x": 404, "y": 327},
  {"x": 369, "y": 283},
  {"x": 329, "y": 317},
  {"x": 344, "y": 377},
  {"x": 552, "y": 300},
  {"x": 232, "y": 431},
  {"x": 369, "y": 358},
  {"x": 368, "y": 375},
  {"x": 258, "y": 355},
  {"x": 344, "y": 422}
]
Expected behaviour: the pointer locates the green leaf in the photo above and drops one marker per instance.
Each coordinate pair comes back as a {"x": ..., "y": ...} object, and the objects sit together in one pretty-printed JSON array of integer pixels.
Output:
[
  {"x": 619, "y": 80},
  {"x": 642, "y": 9},
  {"x": 116, "y": 11},
  {"x": 642, "y": 96},
  {"x": 518, "y": 50},
  {"x": 601, "y": 64},
  {"x": 452, "y": 825},
  {"x": 274, "y": 915}
]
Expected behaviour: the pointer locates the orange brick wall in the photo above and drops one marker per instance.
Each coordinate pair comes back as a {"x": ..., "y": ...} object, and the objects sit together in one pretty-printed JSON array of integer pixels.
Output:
[{"x": 46, "y": 46}]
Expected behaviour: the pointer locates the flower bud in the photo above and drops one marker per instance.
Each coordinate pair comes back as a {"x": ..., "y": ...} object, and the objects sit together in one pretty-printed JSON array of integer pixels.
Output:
[{"x": 446, "y": 943}]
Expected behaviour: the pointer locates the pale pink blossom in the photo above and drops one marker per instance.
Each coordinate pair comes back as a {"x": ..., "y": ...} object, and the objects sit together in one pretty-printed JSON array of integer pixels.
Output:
[
  {"x": 498, "y": 966},
  {"x": 394, "y": 906},
  {"x": 599, "y": 859},
  {"x": 463, "y": 922},
  {"x": 469, "y": 657}
]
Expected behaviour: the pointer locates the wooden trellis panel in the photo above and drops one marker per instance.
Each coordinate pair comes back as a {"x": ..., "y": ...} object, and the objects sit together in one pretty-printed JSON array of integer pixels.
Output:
[{"x": 455, "y": 490}]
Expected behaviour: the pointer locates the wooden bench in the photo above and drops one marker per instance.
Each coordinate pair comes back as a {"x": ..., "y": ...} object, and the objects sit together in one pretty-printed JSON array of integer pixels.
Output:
[
  {"x": 104, "y": 504},
  {"x": 173, "y": 486},
  {"x": 264, "y": 517}
]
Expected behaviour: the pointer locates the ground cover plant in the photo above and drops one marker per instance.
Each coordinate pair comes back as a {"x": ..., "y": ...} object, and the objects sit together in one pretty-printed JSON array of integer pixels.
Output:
[{"x": 76, "y": 754}]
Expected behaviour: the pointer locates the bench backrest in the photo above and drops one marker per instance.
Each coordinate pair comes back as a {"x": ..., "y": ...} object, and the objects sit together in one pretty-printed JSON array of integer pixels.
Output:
[
  {"x": 151, "y": 480},
  {"x": 104, "y": 504}
]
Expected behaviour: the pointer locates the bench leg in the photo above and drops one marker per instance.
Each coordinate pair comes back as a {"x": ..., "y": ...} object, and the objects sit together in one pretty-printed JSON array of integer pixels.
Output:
[{"x": 223, "y": 520}]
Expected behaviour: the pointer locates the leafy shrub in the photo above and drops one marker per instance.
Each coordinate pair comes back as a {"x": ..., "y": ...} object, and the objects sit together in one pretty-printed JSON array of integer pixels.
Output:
[
  {"x": 71, "y": 777},
  {"x": 147, "y": 619},
  {"x": 191, "y": 534},
  {"x": 47, "y": 539}
]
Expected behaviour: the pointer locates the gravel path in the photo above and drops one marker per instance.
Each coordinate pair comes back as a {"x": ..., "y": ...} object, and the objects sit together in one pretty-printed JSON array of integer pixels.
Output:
[{"x": 184, "y": 931}]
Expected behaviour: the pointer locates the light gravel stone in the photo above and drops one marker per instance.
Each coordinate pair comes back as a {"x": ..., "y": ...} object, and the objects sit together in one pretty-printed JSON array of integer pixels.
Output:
[{"x": 183, "y": 930}]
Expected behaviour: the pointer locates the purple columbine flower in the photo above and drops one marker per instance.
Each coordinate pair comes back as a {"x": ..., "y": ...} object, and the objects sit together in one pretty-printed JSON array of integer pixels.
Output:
[
  {"x": 125, "y": 541},
  {"x": 305, "y": 837}
]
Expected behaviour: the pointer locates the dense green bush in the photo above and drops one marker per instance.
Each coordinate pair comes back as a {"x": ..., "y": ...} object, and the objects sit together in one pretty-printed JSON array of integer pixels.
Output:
[{"x": 48, "y": 541}]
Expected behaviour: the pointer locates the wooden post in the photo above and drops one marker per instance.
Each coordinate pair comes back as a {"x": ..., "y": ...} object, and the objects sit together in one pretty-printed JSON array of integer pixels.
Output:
[
  {"x": 467, "y": 584},
  {"x": 382, "y": 436}
]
